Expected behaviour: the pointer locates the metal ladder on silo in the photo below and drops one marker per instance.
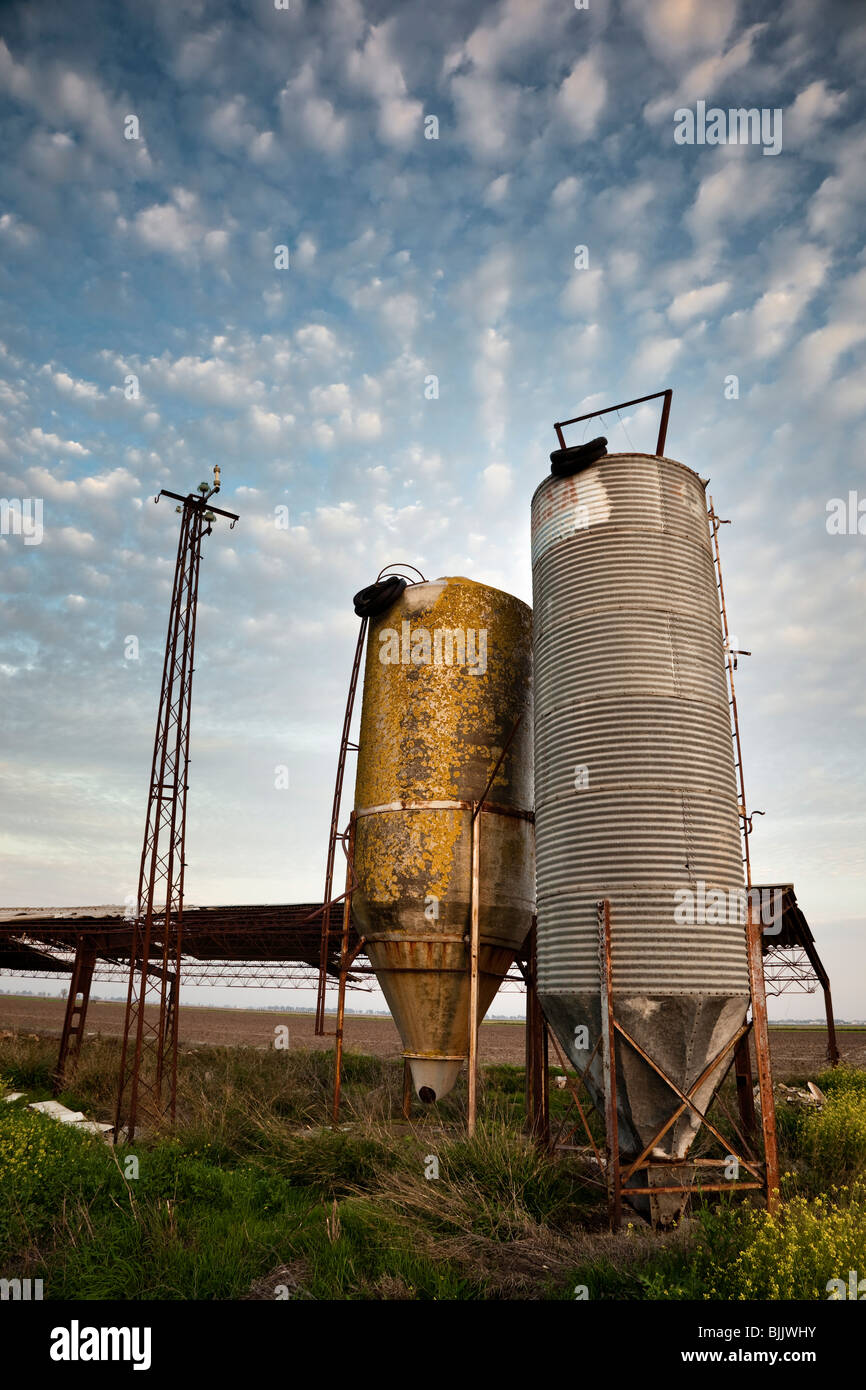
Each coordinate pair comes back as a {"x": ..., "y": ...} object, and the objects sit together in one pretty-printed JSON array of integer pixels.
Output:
[
  {"x": 742, "y": 1058},
  {"x": 731, "y": 655},
  {"x": 336, "y": 836}
]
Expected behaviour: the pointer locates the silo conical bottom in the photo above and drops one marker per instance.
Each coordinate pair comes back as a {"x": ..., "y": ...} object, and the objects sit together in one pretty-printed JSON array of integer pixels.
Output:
[
  {"x": 682, "y": 1033},
  {"x": 432, "y": 1077},
  {"x": 426, "y": 985}
]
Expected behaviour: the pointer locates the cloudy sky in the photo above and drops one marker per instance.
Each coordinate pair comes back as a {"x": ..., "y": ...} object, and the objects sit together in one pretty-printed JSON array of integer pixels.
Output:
[{"x": 417, "y": 248}]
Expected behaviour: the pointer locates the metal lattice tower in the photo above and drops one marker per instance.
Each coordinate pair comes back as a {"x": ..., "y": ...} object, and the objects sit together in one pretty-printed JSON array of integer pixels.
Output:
[{"x": 148, "y": 1065}]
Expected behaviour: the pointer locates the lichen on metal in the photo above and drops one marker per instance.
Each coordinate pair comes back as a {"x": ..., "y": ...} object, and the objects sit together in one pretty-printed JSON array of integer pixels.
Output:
[{"x": 437, "y": 712}]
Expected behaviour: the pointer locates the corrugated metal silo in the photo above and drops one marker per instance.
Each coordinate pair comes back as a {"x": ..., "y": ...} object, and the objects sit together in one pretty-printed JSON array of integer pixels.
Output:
[
  {"x": 447, "y": 674},
  {"x": 636, "y": 799}
]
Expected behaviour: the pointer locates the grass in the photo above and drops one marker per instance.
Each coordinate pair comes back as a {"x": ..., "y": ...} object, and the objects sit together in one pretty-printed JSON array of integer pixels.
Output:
[{"x": 254, "y": 1195}]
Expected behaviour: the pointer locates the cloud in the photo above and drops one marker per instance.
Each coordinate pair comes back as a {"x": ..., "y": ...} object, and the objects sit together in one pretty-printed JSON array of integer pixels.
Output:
[
  {"x": 69, "y": 540},
  {"x": 582, "y": 97},
  {"x": 400, "y": 314},
  {"x": 63, "y": 97},
  {"x": 302, "y": 101},
  {"x": 675, "y": 29},
  {"x": 691, "y": 304},
  {"x": 566, "y": 192},
  {"x": 339, "y": 520},
  {"x": 56, "y": 157},
  {"x": 15, "y": 232},
  {"x": 836, "y": 210},
  {"x": 707, "y": 77},
  {"x": 487, "y": 293},
  {"x": 496, "y": 191},
  {"x": 318, "y": 342},
  {"x": 52, "y": 443},
  {"x": 497, "y": 482},
  {"x": 100, "y": 487},
  {"x": 817, "y": 356},
  {"x": 582, "y": 294},
  {"x": 78, "y": 390},
  {"x": 487, "y": 113},
  {"x": 737, "y": 192},
  {"x": 814, "y": 106},
  {"x": 623, "y": 268},
  {"x": 481, "y": 72},
  {"x": 205, "y": 380},
  {"x": 266, "y": 425},
  {"x": 305, "y": 252},
  {"x": 375, "y": 69},
  {"x": 176, "y": 228},
  {"x": 368, "y": 425},
  {"x": 330, "y": 400},
  {"x": 797, "y": 272},
  {"x": 15, "y": 77},
  {"x": 655, "y": 358},
  {"x": 489, "y": 376},
  {"x": 229, "y": 127},
  {"x": 513, "y": 29},
  {"x": 198, "y": 53}
]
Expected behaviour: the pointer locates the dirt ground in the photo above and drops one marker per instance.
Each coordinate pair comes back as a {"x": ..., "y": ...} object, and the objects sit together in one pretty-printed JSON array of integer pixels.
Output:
[{"x": 796, "y": 1051}]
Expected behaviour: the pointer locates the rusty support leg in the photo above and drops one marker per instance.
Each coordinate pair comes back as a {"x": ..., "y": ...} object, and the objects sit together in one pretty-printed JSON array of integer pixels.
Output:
[
  {"x": 761, "y": 1034},
  {"x": 407, "y": 1090},
  {"x": 745, "y": 1091},
  {"x": 824, "y": 981},
  {"x": 663, "y": 423},
  {"x": 529, "y": 1093},
  {"x": 473, "y": 970},
  {"x": 344, "y": 970},
  {"x": 544, "y": 1082},
  {"x": 537, "y": 1095},
  {"x": 76, "y": 1013},
  {"x": 611, "y": 1123},
  {"x": 832, "y": 1046},
  {"x": 172, "y": 1020}
]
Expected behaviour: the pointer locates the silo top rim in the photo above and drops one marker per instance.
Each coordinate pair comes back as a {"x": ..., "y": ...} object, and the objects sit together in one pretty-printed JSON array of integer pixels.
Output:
[
  {"x": 429, "y": 590},
  {"x": 471, "y": 583},
  {"x": 599, "y": 463}
]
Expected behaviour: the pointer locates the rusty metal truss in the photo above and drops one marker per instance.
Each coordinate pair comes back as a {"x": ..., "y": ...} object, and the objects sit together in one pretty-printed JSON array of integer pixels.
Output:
[
  {"x": 791, "y": 961},
  {"x": 148, "y": 1067}
]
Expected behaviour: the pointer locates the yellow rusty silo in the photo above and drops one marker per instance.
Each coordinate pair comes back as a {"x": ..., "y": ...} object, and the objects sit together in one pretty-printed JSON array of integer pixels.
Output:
[{"x": 448, "y": 673}]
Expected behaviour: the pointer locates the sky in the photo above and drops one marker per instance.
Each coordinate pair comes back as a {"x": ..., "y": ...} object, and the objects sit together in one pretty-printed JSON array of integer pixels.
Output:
[{"x": 391, "y": 391}]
